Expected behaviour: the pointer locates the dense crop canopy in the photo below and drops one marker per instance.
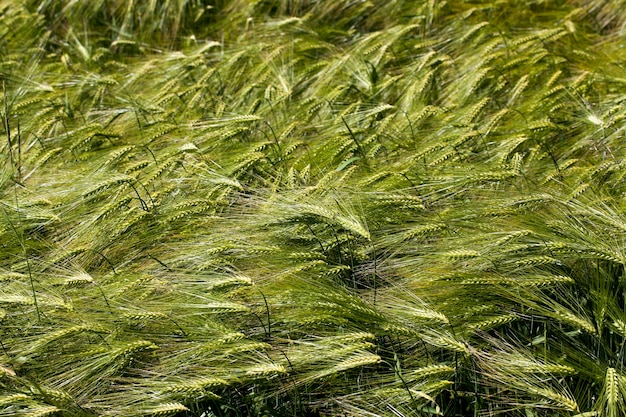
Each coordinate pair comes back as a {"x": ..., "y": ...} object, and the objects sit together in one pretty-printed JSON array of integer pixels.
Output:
[{"x": 312, "y": 208}]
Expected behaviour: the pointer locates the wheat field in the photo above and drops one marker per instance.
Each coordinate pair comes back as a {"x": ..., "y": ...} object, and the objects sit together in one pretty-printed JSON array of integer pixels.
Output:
[{"x": 313, "y": 208}]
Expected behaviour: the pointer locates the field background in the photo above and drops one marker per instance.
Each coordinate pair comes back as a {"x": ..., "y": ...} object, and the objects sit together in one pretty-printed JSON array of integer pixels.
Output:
[{"x": 312, "y": 208}]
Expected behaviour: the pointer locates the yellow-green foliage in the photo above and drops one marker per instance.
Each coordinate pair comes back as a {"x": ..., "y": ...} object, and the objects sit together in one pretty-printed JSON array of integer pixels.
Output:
[{"x": 324, "y": 208}]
